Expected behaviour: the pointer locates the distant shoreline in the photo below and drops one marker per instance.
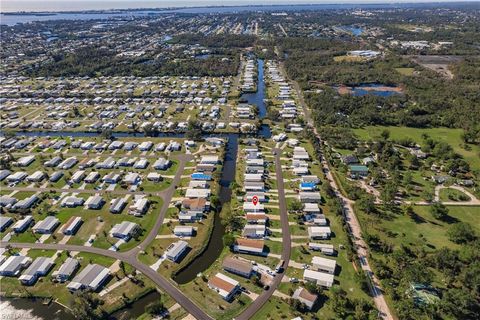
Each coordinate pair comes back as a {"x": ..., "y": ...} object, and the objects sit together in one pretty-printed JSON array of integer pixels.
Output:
[{"x": 345, "y": 5}]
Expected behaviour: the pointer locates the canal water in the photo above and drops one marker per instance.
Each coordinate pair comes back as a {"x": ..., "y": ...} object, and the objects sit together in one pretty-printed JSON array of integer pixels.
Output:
[
  {"x": 32, "y": 309},
  {"x": 257, "y": 98},
  {"x": 215, "y": 245}
]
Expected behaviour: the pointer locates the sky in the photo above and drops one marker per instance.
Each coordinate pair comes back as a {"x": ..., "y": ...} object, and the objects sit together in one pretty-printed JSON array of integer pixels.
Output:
[{"x": 75, "y": 5}]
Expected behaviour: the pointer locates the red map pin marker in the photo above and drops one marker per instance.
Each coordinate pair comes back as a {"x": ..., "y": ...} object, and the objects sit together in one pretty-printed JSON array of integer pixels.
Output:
[{"x": 255, "y": 200}]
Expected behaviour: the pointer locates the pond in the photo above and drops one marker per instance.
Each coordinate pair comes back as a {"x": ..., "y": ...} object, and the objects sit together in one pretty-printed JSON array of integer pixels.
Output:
[
  {"x": 377, "y": 89},
  {"x": 354, "y": 30}
]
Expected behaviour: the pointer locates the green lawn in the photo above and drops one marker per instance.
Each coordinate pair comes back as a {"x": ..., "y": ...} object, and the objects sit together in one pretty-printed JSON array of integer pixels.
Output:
[
  {"x": 449, "y": 194},
  {"x": 421, "y": 231},
  {"x": 450, "y": 136}
]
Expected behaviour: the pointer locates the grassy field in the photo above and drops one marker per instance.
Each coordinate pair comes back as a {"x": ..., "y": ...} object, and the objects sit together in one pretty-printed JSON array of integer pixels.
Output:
[
  {"x": 405, "y": 71},
  {"x": 348, "y": 59},
  {"x": 421, "y": 231},
  {"x": 451, "y": 136},
  {"x": 449, "y": 194}
]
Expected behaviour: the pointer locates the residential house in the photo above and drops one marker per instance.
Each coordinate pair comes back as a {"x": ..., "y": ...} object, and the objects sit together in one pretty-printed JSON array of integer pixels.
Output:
[
  {"x": 238, "y": 266},
  {"x": 319, "y": 278},
  {"x": 90, "y": 278},
  {"x": 46, "y": 226},
  {"x": 66, "y": 270},
  {"x": 176, "y": 250},
  {"x": 13, "y": 265},
  {"x": 39, "y": 267},
  {"x": 324, "y": 264},
  {"x": 224, "y": 285},
  {"x": 305, "y": 297},
  {"x": 124, "y": 230},
  {"x": 249, "y": 246}
]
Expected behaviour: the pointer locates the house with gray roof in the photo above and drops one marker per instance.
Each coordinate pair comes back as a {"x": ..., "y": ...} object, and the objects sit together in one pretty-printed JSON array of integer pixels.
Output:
[
  {"x": 66, "y": 270},
  {"x": 90, "y": 278},
  {"x": 176, "y": 250},
  {"x": 14, "y": 265},
  {"x": 39, "y": 267},
  {"x": 46, "y": 225},
  {"x": 124, "y": 230}
]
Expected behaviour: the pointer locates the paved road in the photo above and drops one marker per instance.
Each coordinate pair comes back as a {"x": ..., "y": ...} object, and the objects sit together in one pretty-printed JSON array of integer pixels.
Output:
[
  {"x": 126, "y": 257},
  {"x": 352, "y": 222},
  {"x": 130, "y": 256},
  {"x": 287, "y": 243}
]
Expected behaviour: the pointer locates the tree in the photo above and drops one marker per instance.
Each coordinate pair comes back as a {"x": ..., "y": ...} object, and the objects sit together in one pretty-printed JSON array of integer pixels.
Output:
[
  {"x": 194, "y": 130},
  {"x": 106, "y": 134},
  {"x": 461, "y": 232},
  {"x": 389, "y": 192},
  {"x": 366, "y": 203},
  {"x": 460, "y": 304},
  {"x": 228, "y": 239},
  {"x": 122, "y": 267},
  {"x": 439, "y": 211},
  {"x": 328, "y": 190},
  {"x": 215, "y": 202},
  {"x": 385, "y": 135},
  {"x": 407, "y": 181},
  {"x": 427, "y": 195},
  {"x": 295, "y": 206},
  {"x": 86, "y": 306},
  {"x": 155, "y": 308}
]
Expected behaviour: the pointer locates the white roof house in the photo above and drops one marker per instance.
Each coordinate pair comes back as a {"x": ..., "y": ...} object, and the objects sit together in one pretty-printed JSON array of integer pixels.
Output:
[
  {"x": 224, "y": 285},
  {"x": 324, "y": 264},
  {"x": 117, "y": 205},
  {"x": 254, "y": 231},
  {"x": 17, "y": 176},
  {"x": 72, "y": 202},
  {"x": 37, "y": 176},
  {"x": 183, "y": 231},
  {"x": 320, "y": 278},
  {"x": 250, "y": 207},
  {"x": 209, "y": 159},
  {"x": 5, "y": 222},
  {"x": 319, "y": 232},
  {"x": 124, "y": 230},
  {"x": 197, "y": 193},
  {"x": 22, "y": 224},
  {"x": 72, "y": 225},
  {"x": 13, "y": 265},
  {"x": 176, "y": 250},
  {"x": 25, "y": 161},
  {"x": 161, "y": 164},
  {"x": 131, "y": 178},
  {"x": 139, "y": 207}
]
